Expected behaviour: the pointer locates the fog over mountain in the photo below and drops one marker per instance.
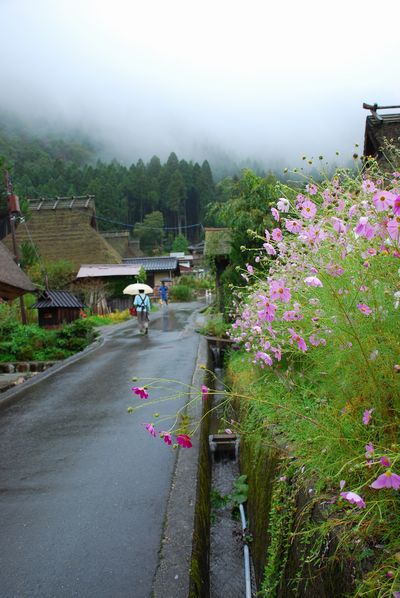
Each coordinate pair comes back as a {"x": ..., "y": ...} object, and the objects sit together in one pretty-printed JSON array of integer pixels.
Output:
[{"x": 255, "y": 80}]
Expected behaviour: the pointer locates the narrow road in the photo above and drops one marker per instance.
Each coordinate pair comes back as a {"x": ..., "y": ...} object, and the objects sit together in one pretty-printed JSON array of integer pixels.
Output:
[{"x": 83, "y": 485}]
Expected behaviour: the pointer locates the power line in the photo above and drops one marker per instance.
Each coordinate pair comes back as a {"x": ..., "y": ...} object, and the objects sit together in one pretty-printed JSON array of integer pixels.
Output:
[{"x": 142, "y": 226}]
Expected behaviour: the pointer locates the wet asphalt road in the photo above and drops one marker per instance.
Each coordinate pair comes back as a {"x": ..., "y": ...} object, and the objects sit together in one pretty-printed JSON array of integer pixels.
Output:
[{"x": 83, "y": 486}]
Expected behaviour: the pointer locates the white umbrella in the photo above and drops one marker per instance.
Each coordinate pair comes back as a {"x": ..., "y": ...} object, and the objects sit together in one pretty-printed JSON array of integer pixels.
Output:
[{"x": 136, "y": 288}]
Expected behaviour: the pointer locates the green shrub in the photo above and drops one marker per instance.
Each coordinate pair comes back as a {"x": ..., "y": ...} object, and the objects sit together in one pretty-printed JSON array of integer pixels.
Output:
[{"x": 181, "y": 292}]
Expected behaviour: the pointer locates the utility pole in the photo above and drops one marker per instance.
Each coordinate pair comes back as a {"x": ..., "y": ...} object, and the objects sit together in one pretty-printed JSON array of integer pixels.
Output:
[{"x": 14, "y": 212}]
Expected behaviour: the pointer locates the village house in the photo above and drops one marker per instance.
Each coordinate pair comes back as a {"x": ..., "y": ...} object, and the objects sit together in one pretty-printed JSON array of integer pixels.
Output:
[
  {"x": 13, "y": 281},
  {"x": 65, "y": 228}
]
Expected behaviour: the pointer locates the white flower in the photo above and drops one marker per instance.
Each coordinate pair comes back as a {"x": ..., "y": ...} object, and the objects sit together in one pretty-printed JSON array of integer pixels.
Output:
[{"x": 283, "y": 204}]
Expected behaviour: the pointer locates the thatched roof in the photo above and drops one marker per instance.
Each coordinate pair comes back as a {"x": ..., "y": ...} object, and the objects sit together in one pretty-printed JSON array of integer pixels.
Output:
[
  {"x": 217, "y": 242},
  {"x": 64, "y": 228},
  {"x": 13, "y": 281}
]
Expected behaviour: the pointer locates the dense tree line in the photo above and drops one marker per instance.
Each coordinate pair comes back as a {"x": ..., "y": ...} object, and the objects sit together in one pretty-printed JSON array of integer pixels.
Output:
[{"x": 174, "y": 195}]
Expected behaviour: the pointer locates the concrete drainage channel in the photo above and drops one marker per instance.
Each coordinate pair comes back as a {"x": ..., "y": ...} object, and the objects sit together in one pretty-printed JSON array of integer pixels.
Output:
[
  {"x": 230, "y": 568},
  {"x": 203, "y": 553}
]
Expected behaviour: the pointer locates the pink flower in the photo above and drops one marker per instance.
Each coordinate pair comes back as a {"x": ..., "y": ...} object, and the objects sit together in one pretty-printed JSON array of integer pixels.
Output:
[
  {"x": 385, "y": 461},
  {"x": 393, "y": 228},
  {"x": 369, "y": 450},
  {"x": 298, "y": 339},
  {"x": 184, "y": 440},
  {"x": 269, "y": 248},
  {"x": 275, "y": 214},
  {"x": 166, "y": 436},
  {"x": 140, "y": 391},
  {"x": 308, "y": 209},
  {"x": 277, "y": 234},
  {"x": 364, "y": 229},
  {"x": 368, "y": 186},
  {"x": 279, "y": 292},
  {"x": 150, "y": 428},
  {"x": 354, "y": 498},
  {"x": 367, "y": 416},
  {"x": 313, "y": 281},
  {"x": 293, "y": 226},
  {"x": 204, "y": 392},
  {"x": 312, "y": 189},
  {"x": 261, "y": 355},
  {"x": 364, "y": 309},
  {"x": 383, "y": 200},
  {"x": 250, "y": 269},
  {"x": 342, "y": 484},
  {"x": 387, "y": 480},
  {"x": 228, "y": 431},
  {"x": 316, "y": 341}
]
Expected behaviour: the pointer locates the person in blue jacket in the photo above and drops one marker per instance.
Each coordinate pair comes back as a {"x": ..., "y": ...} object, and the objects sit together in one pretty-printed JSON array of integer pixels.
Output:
[
  {"x": 142, "y": 304},
  {"x": 163, "y": 290}
]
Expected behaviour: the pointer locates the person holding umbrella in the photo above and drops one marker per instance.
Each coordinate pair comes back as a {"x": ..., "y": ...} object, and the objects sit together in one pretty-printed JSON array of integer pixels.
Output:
[{"x": 141, "y": 303}]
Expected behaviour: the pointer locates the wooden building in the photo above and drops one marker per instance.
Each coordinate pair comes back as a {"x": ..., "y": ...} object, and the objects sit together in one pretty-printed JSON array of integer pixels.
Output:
[
  {"x": 378, "y": 127},
  {"x": 156, "y": 268},
  {"x": 56, "y": 308},
  {"x": 13, "y": 281}
]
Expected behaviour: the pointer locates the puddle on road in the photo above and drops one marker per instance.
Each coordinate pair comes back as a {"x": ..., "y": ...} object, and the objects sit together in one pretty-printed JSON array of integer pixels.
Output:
[{"x": 169, "y": 320}]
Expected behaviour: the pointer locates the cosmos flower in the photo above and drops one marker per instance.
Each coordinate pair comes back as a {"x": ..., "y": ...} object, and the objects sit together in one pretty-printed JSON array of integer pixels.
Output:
[
  {"x": 369, "y": 450},
  {"x": 354, "y": 498},
  {"x": 298, "y": 339},
  {"x": 166, "y": 436},
  {"x": 283, "y": 204},
  {"x": 139, "y": 390},
  {"x": 150, "y": 429},
  {"x": 364, "y": 309},
  {"x": 184, "y": 441},
  {"x": 313, "y": 281},
  {"x": 204, "y": 392},
  {"x": 308, "y": 210},
  {"x": 367, "y": 416},
  {"x": 279, "y": 292},
  {"x": 387, "y": 480},
  {"x": 383, "y": 200}
]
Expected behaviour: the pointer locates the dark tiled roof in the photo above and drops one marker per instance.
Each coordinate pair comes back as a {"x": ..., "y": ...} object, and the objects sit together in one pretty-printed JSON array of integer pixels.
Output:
[
  {"x": 11, "y": 274},
  {"x": 154, "y": 264},
  {"x": 57, "y": 299},
  {"x": 388, "y": 125}
]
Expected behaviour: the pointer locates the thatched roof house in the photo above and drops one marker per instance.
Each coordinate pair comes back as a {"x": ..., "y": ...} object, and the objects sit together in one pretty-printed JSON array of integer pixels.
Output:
[
  {"x": 65, "y": 228},
  {"x": 378, "y": 127},
  {"x": 13, "y": 281}
]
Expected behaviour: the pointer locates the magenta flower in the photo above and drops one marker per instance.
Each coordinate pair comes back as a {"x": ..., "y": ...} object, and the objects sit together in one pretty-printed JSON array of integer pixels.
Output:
[
  {"x": 385, "y": 461},
  {"x": 396, "y": 206},
  {"x": 298, "y": 339},
  {"x": 184, "y": 441},
  {"x": 383, "y": 200},
  {"x": 166, "y": 436},
  {"x": 354, "y": 498},
  {"x": 140, "y": 391},
  {"x": 369, "y": 450},
  {"x": 364, "y": 308},
  {"x": 277, "y": 234},
  {"x": 308, "y": 209},
  {"x": 279, "y": 291},
  {"x": 364, "y": 229},
  {"x": 204, "y": 392},
  {"x": 150, "y": 429},
  {"x": 387, "y": 480},
  {"x": 313, "y": 281},
  {"x": 367, "y": 416}
]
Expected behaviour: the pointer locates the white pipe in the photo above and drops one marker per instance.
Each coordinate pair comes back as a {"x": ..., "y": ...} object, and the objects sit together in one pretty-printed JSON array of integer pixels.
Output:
[{"x": 246, "y": 555}]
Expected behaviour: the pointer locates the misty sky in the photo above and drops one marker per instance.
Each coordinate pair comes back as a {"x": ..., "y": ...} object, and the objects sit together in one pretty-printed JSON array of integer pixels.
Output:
[{"x": 262, "y": 79}]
